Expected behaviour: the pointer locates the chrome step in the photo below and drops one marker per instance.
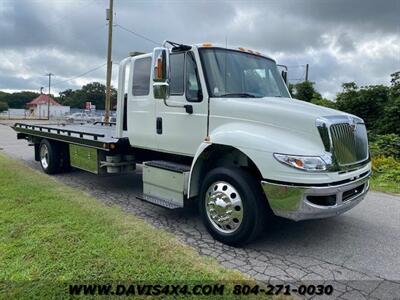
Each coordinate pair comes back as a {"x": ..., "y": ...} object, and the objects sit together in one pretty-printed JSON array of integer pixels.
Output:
[{"x": 158, "y": 201}]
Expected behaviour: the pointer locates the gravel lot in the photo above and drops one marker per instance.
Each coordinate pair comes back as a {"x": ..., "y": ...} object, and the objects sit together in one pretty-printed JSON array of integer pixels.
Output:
[{"x": 359, "y": 250}]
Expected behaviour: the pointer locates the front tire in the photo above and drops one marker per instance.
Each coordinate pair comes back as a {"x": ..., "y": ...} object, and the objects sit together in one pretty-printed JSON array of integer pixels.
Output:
[{"x": 232, "y": 205}]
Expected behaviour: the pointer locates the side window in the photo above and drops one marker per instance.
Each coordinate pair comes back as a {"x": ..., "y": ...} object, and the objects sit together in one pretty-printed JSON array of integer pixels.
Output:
[
  {"x": 193, "y": 88},
  {"x": 141, "y": 76},
  {"x": 177, "y": 66}
]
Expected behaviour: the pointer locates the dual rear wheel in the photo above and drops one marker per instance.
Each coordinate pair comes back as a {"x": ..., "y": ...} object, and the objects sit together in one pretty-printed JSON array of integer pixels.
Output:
[{"x": 53, "y": 157}]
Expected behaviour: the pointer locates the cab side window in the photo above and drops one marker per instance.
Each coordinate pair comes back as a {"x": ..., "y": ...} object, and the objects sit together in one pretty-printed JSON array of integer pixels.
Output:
[
  {"x": 192, "y": 81},
  {"x": 177, "y": 68},
  {"x": 141, "y": 76}
]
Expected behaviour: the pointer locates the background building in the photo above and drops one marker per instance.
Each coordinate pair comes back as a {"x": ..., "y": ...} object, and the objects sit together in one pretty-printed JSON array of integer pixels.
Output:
[{"x": 38, "y": 107}]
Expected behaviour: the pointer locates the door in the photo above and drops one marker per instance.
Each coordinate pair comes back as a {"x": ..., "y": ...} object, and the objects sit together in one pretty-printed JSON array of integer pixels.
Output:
[
  {"x": 181, "y": 132},
  {"x": 141, "y": 105}
]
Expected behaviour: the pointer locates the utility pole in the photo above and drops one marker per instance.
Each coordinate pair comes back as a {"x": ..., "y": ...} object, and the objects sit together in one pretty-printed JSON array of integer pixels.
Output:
[
  {"x": 48, "y": 99},
  {"x": 306, "y": 72},
  {"x": 109, "y": 62}
]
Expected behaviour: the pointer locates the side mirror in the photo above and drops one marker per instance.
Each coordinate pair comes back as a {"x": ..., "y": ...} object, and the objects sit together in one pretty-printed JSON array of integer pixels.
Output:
[
  {"x": 284, "y": 73},
  {"x": 161, "y": 73},
  {"x": 284, "y": 76}
]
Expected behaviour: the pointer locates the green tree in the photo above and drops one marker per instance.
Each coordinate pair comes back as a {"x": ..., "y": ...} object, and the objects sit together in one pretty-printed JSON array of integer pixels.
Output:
[
  {"x": 391, "y": 116},
  {"x": 395, "y": 84},
  {"x": 94, "y": 92},
  {"x": 19, "y": 99},
  {"x": 366, "y": 102},
  {"x": 3, "y": 106},
  {"x": 304, "y": 91},
  {"x": 324, "y": 102},
  {"x": 3, "y": 96}
]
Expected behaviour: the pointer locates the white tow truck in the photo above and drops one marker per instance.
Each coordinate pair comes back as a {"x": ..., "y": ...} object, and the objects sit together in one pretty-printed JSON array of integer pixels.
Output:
[{"x": 217, "y": 126}]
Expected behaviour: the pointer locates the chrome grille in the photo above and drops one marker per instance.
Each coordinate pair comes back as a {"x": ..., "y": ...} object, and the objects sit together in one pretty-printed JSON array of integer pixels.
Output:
[{"x": 350, "y": 143}]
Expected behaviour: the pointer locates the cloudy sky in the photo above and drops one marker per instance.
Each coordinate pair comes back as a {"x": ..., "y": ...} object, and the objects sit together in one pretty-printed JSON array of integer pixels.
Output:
[{"x": 341, "y": 40}]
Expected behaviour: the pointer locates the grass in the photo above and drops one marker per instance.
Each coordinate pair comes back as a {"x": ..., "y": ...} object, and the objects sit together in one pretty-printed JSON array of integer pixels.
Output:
[
  {"x": 383, "y": 185},
  {"x": 51, "y": 235},
  {"x": 385, "y": 174}
]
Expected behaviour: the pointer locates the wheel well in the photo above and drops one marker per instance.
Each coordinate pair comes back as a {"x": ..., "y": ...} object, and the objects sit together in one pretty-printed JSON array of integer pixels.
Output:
[{"x": 217, "y": 156}]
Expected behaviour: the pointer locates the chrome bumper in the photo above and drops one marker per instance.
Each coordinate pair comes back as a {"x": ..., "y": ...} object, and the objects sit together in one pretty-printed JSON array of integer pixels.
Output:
[{"x": 298, "y": 202}]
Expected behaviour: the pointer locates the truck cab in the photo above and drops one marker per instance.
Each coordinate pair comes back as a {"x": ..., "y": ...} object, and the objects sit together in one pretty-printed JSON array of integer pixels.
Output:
[{"x": 217, "y": 126}]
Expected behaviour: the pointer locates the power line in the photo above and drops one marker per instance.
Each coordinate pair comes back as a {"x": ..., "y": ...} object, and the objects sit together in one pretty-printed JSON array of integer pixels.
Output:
[
  {"x": 138, "y": 34},
  {"x": 80, "y": 75}
]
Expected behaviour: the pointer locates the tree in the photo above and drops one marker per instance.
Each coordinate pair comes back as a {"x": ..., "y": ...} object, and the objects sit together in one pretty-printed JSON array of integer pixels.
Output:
[
  {"x": 3, "y": 106},
  {"x": 304, "y": 91},
  {"x": 391, "y": 118},
  {"x": 395, "y": 84},
  {"x": 3, "y": 96},
  {"x": 19, "y": 99},
  {"x": 366, "y": 102},
  {"x": 324, "y": 102},
  {"x": 94, "y": 92}
]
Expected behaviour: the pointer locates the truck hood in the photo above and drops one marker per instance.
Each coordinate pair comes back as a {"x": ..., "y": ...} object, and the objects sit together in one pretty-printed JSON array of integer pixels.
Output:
[
  {"x": 287, "y": 118},
  {"x": 286, "y": 113}
]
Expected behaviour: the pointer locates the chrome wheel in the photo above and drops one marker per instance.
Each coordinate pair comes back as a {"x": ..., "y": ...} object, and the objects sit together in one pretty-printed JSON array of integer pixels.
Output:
[
  {"x": 224, "y": 207},
  {"x": 44, "y": 156}
]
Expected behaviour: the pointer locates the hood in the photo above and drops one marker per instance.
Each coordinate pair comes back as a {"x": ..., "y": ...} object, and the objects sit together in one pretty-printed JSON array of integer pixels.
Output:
[
  {"x": 281, "y": 119},
  {"x": 285, "y": 113}
]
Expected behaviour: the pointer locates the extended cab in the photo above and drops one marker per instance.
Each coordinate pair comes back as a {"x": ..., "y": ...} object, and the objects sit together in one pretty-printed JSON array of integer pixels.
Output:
[{"x": 217, "y": 126}]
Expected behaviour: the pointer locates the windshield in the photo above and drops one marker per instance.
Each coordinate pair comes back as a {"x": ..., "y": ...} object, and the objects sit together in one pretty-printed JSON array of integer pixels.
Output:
[{"x": 237, "y": 74}]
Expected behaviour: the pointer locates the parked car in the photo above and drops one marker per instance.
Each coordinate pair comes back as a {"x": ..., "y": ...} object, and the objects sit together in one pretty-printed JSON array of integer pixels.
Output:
[
  {"x": 112, "y": 118},
  {"x": 81, "y": 118}
]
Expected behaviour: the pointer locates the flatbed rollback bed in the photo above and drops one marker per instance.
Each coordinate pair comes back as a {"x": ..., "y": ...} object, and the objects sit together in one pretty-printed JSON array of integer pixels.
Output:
[{"x": 90, "y": 147}]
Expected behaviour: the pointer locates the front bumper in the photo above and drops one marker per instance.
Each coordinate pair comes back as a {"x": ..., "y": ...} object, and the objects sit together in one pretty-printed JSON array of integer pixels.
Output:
[{"x": 302, "y": 202}]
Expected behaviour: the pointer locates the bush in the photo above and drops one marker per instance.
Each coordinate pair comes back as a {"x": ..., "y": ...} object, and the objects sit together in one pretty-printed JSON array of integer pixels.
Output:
[
  {"x": 386, "y": 168},
  {"x": 385, "y": 145}
]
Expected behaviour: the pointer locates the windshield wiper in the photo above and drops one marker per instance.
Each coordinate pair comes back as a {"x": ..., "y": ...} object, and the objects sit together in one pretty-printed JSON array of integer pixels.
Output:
[{"x": 241, "y": 95}]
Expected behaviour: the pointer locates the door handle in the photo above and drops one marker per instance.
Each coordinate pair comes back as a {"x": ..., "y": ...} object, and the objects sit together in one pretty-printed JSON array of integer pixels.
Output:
[
  {"x": 159, "y": 125},
  {"x": 188, "y": 108}
]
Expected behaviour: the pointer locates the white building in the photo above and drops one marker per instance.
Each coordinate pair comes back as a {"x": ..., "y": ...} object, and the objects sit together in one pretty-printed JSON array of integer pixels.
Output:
[{"x": 38, "y": 107}]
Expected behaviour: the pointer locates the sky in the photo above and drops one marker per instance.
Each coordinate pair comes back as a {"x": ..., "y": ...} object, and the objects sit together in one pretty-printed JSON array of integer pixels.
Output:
[{"x": 341, "y": 40}]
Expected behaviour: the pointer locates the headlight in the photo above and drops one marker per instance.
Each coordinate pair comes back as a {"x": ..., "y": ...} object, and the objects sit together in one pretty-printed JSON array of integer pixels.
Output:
[{"x": 306, "y": 163}]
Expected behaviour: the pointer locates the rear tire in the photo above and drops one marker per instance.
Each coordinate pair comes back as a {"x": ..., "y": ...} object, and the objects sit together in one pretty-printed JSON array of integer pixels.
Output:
[
  {"x": 232, "y": 205},
  {"x": 50, "y": 157}
]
